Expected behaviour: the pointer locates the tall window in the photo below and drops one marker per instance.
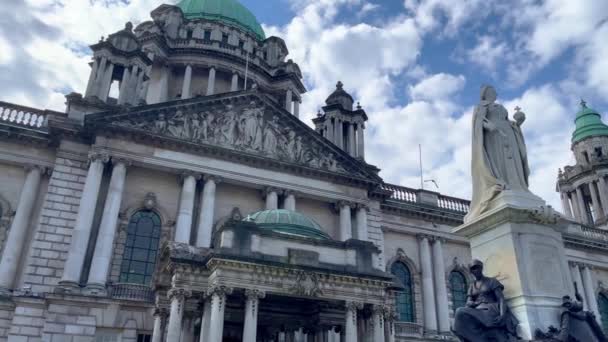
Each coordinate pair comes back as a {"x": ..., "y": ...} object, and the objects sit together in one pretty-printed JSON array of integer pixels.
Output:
[
  {"x": 458, "y": 284},
  {"x": 139, "y": 260},
  {"x": 405, "y": 298},
  {"x": 602, "y": 302}
]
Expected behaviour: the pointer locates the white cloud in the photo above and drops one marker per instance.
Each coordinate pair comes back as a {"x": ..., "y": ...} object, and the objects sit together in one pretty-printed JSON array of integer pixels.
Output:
[
  {"x": 7, "y": 54},
  {"x": 438, "y": 86},
  {"x": 488, "y": 52}
]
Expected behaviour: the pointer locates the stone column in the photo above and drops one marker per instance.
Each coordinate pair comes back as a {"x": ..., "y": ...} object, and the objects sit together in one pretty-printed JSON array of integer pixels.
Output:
[
  {"x": 603, "y": 193},
  {"x": 205, "y": 224},
  {"x": 251, "y": 314},
  {"x": 218, "y": 306},
  {"x": 157, "y": 332},
  {"x": 329, "y": 130},
  {"x": 288, "y": 100},
  {"x": 576, "y": 277},
  {"x": 340, "y": 136},
  {"x": 186, "y": 208},
  {"x": 102, "y": 256},
  {"x": 187, "y": 85},
  {"x": 350, "y": 321},
  {"x": 582, "y": 208},
  {"x": 99, "y": 77},
  {"x": 390, "y": 315},
  {"x": 351, "y": 140},
  {"x": 124, "y": 85},
  {"x": 345, "y": 221},
  {"x": 272, "y": 198},
  {"x": 595, "y": 198},
  {"x": 361, "y": 222},
  {"x": 106, "y": 82},
  {"x": 206, "y": 320},
  {"x": 296, "y": 108},
  {"x": 19, "y": 228},
  {"x": 378, "y": 323},
  {"x": 92, "y": 77},
  {"x": 138, "y": 77},
  {"x": 290, "y": 200},
  {"x": 211, "y": 82},
  {"x": 234, "y": 86},
  {"x": 441, "y": 289},
  {"x": 337, "y": 124},
  {"x": 575, "y": 210},
  {"x": 178, "y": 300},
  {"x": 361, "y": 140},
  {"x": 589, "y": 287},
  {"x": 566, "y": 204},
  {"x": 84, "y": 220},
  {"x": 428, "y": 293}
]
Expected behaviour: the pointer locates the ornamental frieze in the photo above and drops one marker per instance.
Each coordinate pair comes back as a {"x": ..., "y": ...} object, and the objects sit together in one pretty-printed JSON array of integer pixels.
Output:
[{"x": 251, "y": 128}]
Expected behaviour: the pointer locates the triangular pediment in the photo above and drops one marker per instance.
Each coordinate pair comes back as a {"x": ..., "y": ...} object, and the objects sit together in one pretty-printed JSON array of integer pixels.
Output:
[{"x": 244, "y": 123}]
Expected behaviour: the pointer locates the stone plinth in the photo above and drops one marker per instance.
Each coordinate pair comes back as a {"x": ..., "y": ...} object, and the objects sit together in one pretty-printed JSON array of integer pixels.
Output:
[{"x": 524, "y": 250}]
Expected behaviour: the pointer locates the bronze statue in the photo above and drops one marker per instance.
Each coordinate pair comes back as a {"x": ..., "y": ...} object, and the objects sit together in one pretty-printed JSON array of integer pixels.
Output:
[
  {"x": 486, "y": 316},
  {"x": 576, "y": 325}
]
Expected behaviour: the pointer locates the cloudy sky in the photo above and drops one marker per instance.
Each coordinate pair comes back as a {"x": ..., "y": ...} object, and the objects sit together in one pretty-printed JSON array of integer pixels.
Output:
[{"x": 416, "y": 66}]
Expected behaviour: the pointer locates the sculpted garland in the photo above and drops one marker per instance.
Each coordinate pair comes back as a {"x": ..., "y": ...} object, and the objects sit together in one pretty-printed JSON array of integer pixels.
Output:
[{"x": 247, "y": 128}]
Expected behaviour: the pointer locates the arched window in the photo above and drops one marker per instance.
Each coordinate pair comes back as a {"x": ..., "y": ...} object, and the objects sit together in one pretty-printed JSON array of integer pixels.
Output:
[
  {"x": 602, "y": 302},
  {"x": 139, "y": 259},
  {"x": 405, "y": 298},
  {"x": 458, "y": 284}
]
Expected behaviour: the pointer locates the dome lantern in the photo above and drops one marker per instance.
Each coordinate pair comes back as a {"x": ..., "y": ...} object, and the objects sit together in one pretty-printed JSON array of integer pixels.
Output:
[{"x": 588, "y": 124}]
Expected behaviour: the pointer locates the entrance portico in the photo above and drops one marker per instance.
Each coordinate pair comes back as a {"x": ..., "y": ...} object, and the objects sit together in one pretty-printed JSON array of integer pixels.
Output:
[{"x": 262, "y": 285}]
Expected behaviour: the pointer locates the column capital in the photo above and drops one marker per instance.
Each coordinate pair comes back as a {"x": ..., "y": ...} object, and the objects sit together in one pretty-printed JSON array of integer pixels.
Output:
[
  {"x": 362, "y": 206},
  {"x": 390, "y": 313},
  {"x": 181, "y": 294},
  {"x": 42, "y": 169},
  {"x": 439, "y": 239},
  {"x": 104, "y": 157},
  {"x": 188, "y": 173},
  {"x": 340, "y": 204},
  {"x": 427, "y": 237},
  {"x": 353, "y": 306},
  {"x": 288, "y": 192},
  {"x": 254, "y": 294},
  {"x": 214, "y": 178},
  {"x": 219, "y": 290},
  {"x": 268, "y": 189},
  {"x": 162, "y": 313},
  {"x": 127, "y": 162}
]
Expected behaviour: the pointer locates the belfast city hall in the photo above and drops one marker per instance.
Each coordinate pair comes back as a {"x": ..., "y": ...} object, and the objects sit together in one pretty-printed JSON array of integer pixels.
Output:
[{"x": 180, "y": 198}]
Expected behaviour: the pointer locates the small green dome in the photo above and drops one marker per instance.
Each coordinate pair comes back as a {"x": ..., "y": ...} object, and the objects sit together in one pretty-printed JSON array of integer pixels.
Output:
[
  {"x": 229, "y": 12},
  {"x": 287, "y": 222},
  {"x": 588, "y": 124}
]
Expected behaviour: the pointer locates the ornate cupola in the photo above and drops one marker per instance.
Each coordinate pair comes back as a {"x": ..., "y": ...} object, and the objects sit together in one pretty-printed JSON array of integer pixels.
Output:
[
  {"x": 119, "y": 59},
  {"x": 341, "y": 124},
  {"x": 583, "y": 187}
]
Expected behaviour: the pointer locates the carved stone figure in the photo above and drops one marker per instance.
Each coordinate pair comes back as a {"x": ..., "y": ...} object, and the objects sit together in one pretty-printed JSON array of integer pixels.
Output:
[
  {"x": 271, "y": 131},
  {"x": 228, "y": 126},
  {"x": 499, "y": 159},
  {"x": 160, "y": 125},
  {"x": 252, "y": 128},
  {"x": 486, "y": 317}
]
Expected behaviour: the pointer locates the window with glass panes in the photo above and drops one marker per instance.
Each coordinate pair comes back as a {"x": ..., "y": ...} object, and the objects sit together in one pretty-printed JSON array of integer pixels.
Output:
[
  {"x": 144, "y": 338},
  {"x": 458, "y": 285},
  {"x": 141, "y": 248},
  {"x": 405, "y": 298},
  {"x": 602, "y": 303}
]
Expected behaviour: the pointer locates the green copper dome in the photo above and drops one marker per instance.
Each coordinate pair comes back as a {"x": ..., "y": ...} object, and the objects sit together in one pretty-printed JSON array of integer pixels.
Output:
[
  {"x": 229, "y": 12},
  {"x": 588, "y": 124},
  {"x": 287, "y": 222}
]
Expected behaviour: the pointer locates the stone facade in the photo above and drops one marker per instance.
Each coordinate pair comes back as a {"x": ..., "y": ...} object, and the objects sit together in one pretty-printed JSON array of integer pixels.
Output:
[{"x": 186, "y": 152}]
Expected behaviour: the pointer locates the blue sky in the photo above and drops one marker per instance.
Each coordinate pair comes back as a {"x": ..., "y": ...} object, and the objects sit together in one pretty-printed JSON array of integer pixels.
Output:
[{"x": 415, "y": 65}]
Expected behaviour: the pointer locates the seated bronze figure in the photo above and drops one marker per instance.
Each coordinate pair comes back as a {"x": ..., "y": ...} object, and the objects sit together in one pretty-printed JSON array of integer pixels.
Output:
[{"x": 486, "y": 317}]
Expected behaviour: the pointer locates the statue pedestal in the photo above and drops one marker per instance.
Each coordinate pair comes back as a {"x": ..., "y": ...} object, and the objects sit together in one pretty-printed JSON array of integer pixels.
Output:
[{"x": 523, "y": 248}]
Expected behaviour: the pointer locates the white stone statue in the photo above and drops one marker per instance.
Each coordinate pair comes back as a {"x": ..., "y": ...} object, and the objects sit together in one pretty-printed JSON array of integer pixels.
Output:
[{"x": 499, "y": 160}]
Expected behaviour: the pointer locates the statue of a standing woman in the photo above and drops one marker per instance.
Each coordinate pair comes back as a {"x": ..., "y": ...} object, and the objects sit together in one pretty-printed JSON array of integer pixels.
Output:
[
  {"x": 499, "y": 161},
  {"x": 485, "y": 317}
]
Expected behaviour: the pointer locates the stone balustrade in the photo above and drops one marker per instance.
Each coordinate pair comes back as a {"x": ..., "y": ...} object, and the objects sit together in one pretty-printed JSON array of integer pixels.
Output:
[
  {"x": 406, "y": 329},
  {"x": 401, "y": 193},
  {"x": 452, "y": 203},
  {"x": 21, "y": 115},
  {"x": 134, "y": 292}
]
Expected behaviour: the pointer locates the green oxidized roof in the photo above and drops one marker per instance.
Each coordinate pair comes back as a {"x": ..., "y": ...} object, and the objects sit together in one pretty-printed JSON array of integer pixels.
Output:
[
  {"x": 588, "y": 124},
  {"x": 229, "y": 12},
  {"x": 288, "y": 222}
]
